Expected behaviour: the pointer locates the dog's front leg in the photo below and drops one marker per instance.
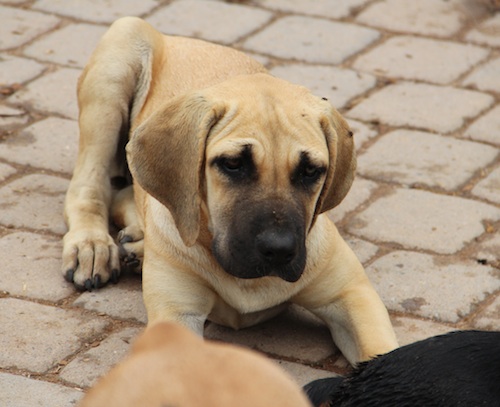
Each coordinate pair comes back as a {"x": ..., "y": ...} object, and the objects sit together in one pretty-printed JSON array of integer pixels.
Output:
[
  {"x": 112, "y": 87},
  {"x": 359, "y": 323},
  {"x": 174, "y": 293},
  {"x": 343, "y": 297}
]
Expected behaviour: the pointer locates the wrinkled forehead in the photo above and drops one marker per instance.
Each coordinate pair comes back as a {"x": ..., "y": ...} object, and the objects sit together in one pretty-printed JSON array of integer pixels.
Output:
[{"x": 282, "y": 118}]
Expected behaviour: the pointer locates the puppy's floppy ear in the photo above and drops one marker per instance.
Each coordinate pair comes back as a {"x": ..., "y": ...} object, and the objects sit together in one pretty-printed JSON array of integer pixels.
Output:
[
  {"x": 166, "y": 157},
  {"x": 342, "y": 168}
]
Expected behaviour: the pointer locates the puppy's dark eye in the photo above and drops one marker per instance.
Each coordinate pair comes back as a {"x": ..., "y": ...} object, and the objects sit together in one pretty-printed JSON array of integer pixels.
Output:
[
  {"x": 231, "y": 164},
  {"x": 307, "y": 173},
  {"x": 311, "y": 172},
  {"x": 237, "y": 168}
]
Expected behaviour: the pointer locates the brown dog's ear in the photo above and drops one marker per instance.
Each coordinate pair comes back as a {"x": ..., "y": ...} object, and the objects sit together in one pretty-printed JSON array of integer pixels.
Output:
[
  {"x": 166, "y": 157},
  {"x": 342, "y": 168}
]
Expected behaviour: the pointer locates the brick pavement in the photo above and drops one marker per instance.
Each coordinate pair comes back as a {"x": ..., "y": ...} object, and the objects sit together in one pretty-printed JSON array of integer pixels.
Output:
[{"x": 418, "y": 80}]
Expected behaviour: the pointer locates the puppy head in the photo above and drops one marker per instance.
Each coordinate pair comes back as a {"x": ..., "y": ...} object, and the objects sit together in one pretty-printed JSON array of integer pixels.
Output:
[
  {"x": 260, "y": 156},
  {"x": 171, "y": 366}
]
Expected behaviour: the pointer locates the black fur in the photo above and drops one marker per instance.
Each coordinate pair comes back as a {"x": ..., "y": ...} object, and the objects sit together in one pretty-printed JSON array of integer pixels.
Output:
[{"x": 457, "y": 369}]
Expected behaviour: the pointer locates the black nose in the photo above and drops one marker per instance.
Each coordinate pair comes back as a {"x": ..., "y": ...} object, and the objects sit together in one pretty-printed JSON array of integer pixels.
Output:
[{"x": 276, "y": 247}]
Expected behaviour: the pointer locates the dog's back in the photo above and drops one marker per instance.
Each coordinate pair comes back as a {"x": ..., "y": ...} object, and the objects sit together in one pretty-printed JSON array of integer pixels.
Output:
[{"x": 456, "y": 369}]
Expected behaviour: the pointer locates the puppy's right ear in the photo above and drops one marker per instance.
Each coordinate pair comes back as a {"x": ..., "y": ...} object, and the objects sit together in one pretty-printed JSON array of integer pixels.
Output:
[{"x": 166, "y": 157}]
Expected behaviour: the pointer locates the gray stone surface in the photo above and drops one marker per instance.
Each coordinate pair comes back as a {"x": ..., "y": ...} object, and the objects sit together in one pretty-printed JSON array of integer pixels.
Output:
[
  {"x": 486, "y": 33},
  {"x": 303, "y": 374},
  {"x": 320, "y": 8},
  {"x": 425, "y": 17},
  {"x": 123, "y": 301},
  {"x": 31, "y": 267},
  {"x": 489, "y": 188},
  {"x": 410, "y": 329},
  {"x": 489, "y": 318},
  {"x": 414, "y": 157},
  {"x": 34, "y": 202},
  {"x": 382, "y": 63},
  {"x": 41, "y": 335},
  {"x": 295, "y": 334},
  {"x": 87, "y": 367},
  {"x": 17, "y": 70},
  {"x": 486, "y": 77},
  {"x": 53, "y": 93},
  {"x": 421, "y": 59},
  {"x": 423, "y": 107},
  {"x": 95, "y": 10},
  {"x": 326, "y": 42},
  {"x": 361, "y": 191},
  {"x": 51, "y": 144},
  {"x": 486, "y": 128},
  {"x": 213, "y": 21},
  {"x": 19, "y": 391},
  {"x": 432, "y": 295},
  {"x": 440, "y": 223},
  {"x": 20, "y": 26},
  {"x": 338, "y": 85},
  {"x": 59, "y": 46}
]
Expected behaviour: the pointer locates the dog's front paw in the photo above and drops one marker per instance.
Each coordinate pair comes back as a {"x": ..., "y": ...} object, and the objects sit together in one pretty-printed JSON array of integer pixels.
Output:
[
  {"x": 131, "y": 240},
  {"x": 90, "y": 259}
]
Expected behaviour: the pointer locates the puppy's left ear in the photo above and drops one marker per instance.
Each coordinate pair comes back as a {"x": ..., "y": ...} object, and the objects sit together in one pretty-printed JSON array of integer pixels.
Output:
[
  {"x": 166, "y": 156},
  {"x": 342, "y": 167}
]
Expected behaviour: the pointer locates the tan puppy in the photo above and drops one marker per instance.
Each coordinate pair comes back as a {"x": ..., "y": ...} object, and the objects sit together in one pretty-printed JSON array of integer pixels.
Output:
[
  {"x": 232, "y": 171},
  {"x": 170, "y": 366}
]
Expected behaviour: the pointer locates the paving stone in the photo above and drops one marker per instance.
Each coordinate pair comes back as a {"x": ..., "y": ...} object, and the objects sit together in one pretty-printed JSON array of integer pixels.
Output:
[
  {"x": 6, "y": 171},
  {"x": 34, "y": 202},
  {"x": 54, "y": 93},
  {"x": 409, "y": 330},
  {"x": 213, "y": 21},
  {"x": 364, "y": 250},
  {"x": 123, "y": 300},
  {"x": 489, "y": 188},
  {"x": 360, "y": 192},
  {"x": 326, "y": 41},
  {"x": 486, "y": 77},
  {"x": 414, "y": 157},
  {"x": 51, "y": 143},
  {"x": 489, "y": 318},
  {"x": 432, "y": 286},
  {"x": 19, "y": 391},
  {"x": 32, "y": 264},
  {"x": 338, "y": 85},
  {"x": 421, "y": 105},
  {"x": 321, "y": 8},
  {"x": 439, "y": 223},
  {"x": 59, "y": 46},
  {"x": 18, "y": 70},
  {"x": 95, "y": 10},
  {"x": 362, "y": 133},
  {"x": 38, "y": 336},
  {"x": 303, "y": 374},
  {"x": 488, "y": 249},
  {"x": 20, "y": 26},
  {"x": 486, "y": 128},
  {"x": 11, "y": 118},
  {"x": 89, "y": 366},
  {"x": 294, "y": 334},
  {"x": 486, "y": 33},
  {"x": 421, "y": 59},
  {"x": 425, "y": 17}
]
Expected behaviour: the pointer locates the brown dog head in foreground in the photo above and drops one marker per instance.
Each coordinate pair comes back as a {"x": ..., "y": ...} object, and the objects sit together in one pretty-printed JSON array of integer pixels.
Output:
[
  {"x": 169, "y": 366},
  {"x": 233, "y": 171}
]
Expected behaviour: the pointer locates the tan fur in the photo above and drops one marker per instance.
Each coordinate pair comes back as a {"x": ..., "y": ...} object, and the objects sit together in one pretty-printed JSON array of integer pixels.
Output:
[
  {"x": 186, "y": 102},
  {"x": 170, "y": 366}
]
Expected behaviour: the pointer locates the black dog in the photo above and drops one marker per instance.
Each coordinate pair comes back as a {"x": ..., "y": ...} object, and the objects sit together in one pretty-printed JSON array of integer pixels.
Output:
[{"x": 457, "y": 369}]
